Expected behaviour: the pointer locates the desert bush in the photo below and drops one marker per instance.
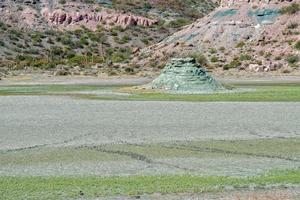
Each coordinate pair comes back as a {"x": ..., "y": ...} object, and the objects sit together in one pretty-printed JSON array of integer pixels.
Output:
[
  {"x": 117, "y": 57},
  {"x": 240, "y": 44},
  {"x": 213, "y": 51},
  {"x": 129, "y": 70},
  {"x": 83, "y": 41},
  {"x": 245, "y": 57},
  {"x": 179, "y": 22},
  {"x": 291, "y": 9},
  {"x": 2, "y": 25},
  {"x": 297, "y": 45},
  {"x": 78, "y": 60},
  {"x": 200, "y": 58},
  {"x": 125, "y": 39},
  {"x": 145, "y": 41},
  {"x": 214, "y": 59},
  {"x": 292, "y": 59},
  {"x": 222, "y": 49},
  {"x": 233, "y": 64},
  {"x": 292, "y": 25}
]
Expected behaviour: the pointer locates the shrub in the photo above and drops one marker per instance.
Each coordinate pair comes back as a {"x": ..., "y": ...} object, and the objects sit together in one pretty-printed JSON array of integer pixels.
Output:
[
  {"x": 125, "y": 39},
  {"x": 83, "y": 41},
  {"x": 179, "y": 22},
  {"x": 57, "y": 51},
  {"x": 120, "y": 55},
  {"x": 292, "y": 59},
  {"x": 222, "y": 49},
  {"x": 291, "y": 9},
  {"x": 245, "y": 57},
  {"x": 240, "y": 44},
  {"x": 77, "y": 59},
  {"x": 213, "y": 50},
  {"x": 201, "y": 59},
  {"x": 2, "y": 25},
  {"x": 129, "y": 70},
  {"x": 233, "y": 64},
  {"x": 145, "y": 41},
  {"x": 292, "y": 25},
  {"x": 214, "y": 59},
  {"x": 297, "y": 45}
]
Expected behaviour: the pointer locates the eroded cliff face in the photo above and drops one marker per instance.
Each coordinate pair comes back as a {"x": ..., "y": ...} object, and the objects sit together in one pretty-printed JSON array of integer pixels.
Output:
[
  {"x": 254, "y": 30},
  {"x": 91, "y": 19},
  {"x": 40, "y": 14}
]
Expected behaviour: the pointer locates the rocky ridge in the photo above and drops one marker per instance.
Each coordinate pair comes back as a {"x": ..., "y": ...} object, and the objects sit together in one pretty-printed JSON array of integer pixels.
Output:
[{"x": 64, "y": 19}]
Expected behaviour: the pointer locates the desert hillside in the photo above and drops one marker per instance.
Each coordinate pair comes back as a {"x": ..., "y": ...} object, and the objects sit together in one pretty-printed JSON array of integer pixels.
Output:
[
  {"x": 42, "y": 35},
  {"x": 239, "y": 36}
]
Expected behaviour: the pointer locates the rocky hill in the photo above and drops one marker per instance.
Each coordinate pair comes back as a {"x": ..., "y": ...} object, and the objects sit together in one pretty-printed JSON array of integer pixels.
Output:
[
  {"x": 42, "y": 34},
  {"x": 239, "y": 36}
]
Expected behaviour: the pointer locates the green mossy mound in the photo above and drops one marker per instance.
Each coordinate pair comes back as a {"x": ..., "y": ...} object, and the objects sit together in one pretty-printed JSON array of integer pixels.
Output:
[{"x": 185, "y": 75}]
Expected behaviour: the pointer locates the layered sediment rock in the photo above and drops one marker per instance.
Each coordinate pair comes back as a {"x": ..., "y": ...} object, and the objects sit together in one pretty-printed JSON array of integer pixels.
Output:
[
  {"x": 59, "y": 17},
  {"x": 185, "y": 75}
]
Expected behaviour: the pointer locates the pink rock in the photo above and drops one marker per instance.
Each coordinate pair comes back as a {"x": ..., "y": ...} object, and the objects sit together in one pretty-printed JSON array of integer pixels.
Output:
[{"x": 59, "y": 17}]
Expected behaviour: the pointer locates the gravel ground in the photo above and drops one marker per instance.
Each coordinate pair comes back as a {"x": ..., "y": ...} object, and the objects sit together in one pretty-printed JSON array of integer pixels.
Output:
[{"x": 28, "y": 121}]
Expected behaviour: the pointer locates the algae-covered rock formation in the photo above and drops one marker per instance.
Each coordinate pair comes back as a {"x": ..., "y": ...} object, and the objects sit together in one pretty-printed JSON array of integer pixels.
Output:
[{"x": 185, "y": 75}]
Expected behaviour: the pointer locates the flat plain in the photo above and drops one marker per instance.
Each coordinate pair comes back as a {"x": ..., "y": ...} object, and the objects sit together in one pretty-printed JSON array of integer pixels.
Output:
[{"x": 91, "y": 141}]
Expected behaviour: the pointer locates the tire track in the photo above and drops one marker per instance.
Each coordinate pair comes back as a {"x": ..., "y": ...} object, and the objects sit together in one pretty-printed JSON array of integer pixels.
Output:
[
  {"x": 46, "y": 145},
  {"x": 136, "y": 156},
  {"x": 23, "y": 148}
]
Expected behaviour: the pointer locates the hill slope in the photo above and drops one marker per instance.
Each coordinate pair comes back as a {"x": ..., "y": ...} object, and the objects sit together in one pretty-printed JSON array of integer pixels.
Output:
[
  {"x": 43, "y": 34},
  {"x": 239, "y": 35}
]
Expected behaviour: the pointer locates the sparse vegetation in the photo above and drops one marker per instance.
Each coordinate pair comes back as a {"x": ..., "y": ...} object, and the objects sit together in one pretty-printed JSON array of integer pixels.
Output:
[
  {"x": 291, "y": 9},
  {"x": 244, "y": 57},
  {"x": 235, "y": 62},
  {"x": 292, "y": 59},
  {"x": 240, "y": 44},
  {"x": 200, "y": 58},
  {"x": 214, "y": 59},
  {"x": 179, "y": 22},
  {"x": 297, "y": 45},
  {"x": 292, "y": 25}
]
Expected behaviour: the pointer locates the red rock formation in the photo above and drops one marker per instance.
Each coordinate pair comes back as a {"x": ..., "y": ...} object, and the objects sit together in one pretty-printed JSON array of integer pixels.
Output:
[{"x": 59, "y": 17}]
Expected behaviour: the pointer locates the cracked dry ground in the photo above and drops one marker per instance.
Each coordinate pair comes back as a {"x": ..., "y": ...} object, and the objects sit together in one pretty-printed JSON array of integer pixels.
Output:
[{"x": 46, "y": 136}]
